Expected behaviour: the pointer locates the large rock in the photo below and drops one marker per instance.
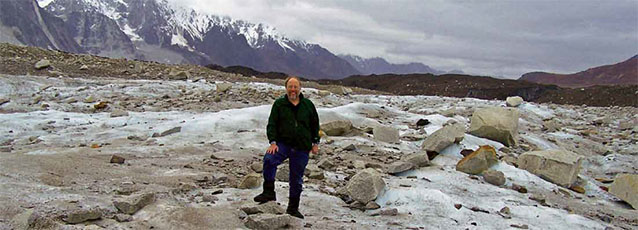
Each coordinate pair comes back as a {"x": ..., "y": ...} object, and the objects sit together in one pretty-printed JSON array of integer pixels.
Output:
[
  {"x": 179, "y": 75},
  {"x": 314, "y": 172},
  {"x": 119, "y": 113},
  {"x": 132, "y": 204},
  {"x": 514, "y": 101},
  {"x": 625, "y": 187},
  {"x": 557, "y": 166},
  {"x": 283, "y": 173},
  {"x": 496, "y": 123},
  {"x": 494, "y": 177},
  {"x": 250, "y": 181},
  {"x": 269, "y": 207},
  {"x": 223, "y": 86},
  {"x": 340, "y": 90},
  {"x": 326, "y": 164},
  {"x": 365, "y": 186},
  {"x": 418, "y": 160},
  {"x": 337, "y": 128},
  {"x": 399, "y": 167},
  {"x": 257, "y": 167},
  {"x": 82, "y": 215},
  {"x": 268, "y": 221},
  {"x": 44, "y": 63},
  {"x": 444, "y": 137},
  {"x": 386, "y": 134},
  {"x": 323, "y": 93},
  {"x": 478, "y": 161},
  {"x": 168, "y": 132}
]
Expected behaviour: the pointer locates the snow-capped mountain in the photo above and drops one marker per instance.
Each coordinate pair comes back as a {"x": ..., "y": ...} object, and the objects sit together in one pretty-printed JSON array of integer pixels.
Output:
[
  {"x": 162, "y": 31},
  {"x": 25, "y": 23},
  {"x": 379, "y": 65}
]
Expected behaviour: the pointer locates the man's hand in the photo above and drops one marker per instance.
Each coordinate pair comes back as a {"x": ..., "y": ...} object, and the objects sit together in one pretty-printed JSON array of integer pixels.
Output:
[
  {"x": 272, "y": 149},
  {"x": 315, "y": 149}
]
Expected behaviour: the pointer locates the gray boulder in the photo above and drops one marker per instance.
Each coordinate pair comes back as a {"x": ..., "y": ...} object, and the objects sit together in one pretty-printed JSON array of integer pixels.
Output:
[
  {"x": 551, "y": 125},
  {"x": 119, "y": 113},
  {"x": 494, "y": 177},
  {"x": 386, "y": 134},
  {"x": 399, "y": 167},
  {"x": 326, "y": 164},
  {"x": 418, "y": 160},
  {"x": 90, "y": 99},
  {"x": 625, "y": 187},
  {"x": 179, "y": 75},
  {"x": 269, "y": 207},
  {"x": 44, "y": 63},
  {"x": 82, "y": 215},
  {"x": 268, "y": 221},
  {"x": 337, "y": 128},
  {"x": 257, "y": 167},
  {"x": 514, "y": 101},
  {"x": 557, "y": 166},
  {"x": 444, "y": 137},
  {"x": 496, "y": 123},
  {"x": 168, "y": 132},
  {"x": 365, "y": 186},
  {"x": 250, "y": 181},
  {"x": 340, "y": 90},
  {"x": 130, "y": 205},
  {"x": 223, "y": 86},
  {"x": 283, "y": 173},
  {"x": 323, "y": 93}
]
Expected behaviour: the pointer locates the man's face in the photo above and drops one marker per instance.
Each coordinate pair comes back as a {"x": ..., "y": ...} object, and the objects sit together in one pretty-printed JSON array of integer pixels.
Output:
[{"x": 292, "y": 89}]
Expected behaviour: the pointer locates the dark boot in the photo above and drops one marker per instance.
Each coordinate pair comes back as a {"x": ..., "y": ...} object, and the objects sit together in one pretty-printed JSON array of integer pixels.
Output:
[
  {"x": 293, "y": 208},
  {"x": 268, "y": 194}
]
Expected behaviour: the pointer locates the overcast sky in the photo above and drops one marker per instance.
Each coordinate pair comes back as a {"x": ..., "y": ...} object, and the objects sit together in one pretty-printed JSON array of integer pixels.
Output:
[{"x": 483, "y": 37}]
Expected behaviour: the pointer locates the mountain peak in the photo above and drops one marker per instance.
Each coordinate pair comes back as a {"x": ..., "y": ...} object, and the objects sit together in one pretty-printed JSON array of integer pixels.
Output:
[
  {"x": 623, "y": 73},
  {"x": 168, "y": 32},
  {"x": 378, "y": 65}
]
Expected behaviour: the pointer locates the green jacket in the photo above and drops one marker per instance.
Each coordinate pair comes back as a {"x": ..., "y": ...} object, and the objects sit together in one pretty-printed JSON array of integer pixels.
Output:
[{"x": 297, "y": 127}]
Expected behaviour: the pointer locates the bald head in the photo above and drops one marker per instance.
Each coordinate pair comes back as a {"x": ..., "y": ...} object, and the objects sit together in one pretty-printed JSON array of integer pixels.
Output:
[{"x": 293, "y": 88}]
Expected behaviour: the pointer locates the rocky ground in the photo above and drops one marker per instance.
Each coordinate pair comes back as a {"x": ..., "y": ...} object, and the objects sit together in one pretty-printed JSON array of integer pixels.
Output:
[
  {"x": 453, "y": 85},
  {"x": 166, "y": 147}
]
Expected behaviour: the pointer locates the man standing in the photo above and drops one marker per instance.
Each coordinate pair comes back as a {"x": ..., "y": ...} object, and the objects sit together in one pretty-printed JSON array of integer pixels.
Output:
[{"x": 293, "y": 131}]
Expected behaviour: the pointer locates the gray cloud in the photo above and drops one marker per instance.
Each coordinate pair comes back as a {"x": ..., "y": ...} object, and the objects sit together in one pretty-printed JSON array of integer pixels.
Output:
[{"x": 493, "y": 37}]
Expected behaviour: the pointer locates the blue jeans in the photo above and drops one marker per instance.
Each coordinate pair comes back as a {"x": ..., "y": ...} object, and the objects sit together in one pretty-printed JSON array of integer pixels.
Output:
[{"x": 298, "y": 160}]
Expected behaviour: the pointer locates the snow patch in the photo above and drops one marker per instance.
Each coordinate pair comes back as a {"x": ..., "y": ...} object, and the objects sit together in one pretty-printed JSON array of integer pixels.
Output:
[
  {"x": 178, "y": 39},
  {"x": 130, "y": 32},
  {"x": 44, "y": 3}
]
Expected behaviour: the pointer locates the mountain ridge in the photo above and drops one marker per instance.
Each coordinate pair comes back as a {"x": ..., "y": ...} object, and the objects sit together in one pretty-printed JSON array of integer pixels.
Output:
[
  {"x": 378, "y": 65},
  {"x": 157, "y": 30},
  {"x": 622, "y": 73}
]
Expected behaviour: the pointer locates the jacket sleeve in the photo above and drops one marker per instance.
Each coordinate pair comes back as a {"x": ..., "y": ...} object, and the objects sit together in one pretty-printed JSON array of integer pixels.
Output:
[
  {"x": 271, "y": 128},
  {"x": 314, "y": 125}
]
